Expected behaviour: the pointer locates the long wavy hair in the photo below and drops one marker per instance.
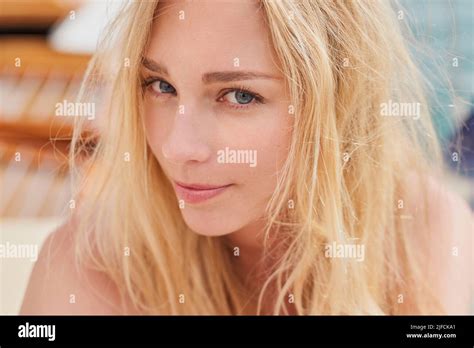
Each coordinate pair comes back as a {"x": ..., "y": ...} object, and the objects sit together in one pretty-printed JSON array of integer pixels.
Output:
[{"x": 343, "y": 179}]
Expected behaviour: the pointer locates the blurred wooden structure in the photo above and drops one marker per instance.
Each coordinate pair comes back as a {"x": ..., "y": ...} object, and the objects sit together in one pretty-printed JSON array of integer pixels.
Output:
[
  {"x": 34, "y": 179},
  {"x": 34, "y": 13}
]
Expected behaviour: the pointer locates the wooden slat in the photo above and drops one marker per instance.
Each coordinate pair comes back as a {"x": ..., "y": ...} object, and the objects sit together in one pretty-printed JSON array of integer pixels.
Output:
[
  {"x": 32, "y": 89},
  {"x": 39, "y": 184},
  {"x": 32, "y": 13}
]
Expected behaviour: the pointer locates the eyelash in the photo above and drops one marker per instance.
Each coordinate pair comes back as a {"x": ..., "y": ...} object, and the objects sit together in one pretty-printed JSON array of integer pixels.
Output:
[{"x": 256, "y": 98}]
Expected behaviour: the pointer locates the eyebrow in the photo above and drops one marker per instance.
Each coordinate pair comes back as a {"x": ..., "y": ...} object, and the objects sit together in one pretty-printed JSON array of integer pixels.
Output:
[{"x": 213, "y": 77}]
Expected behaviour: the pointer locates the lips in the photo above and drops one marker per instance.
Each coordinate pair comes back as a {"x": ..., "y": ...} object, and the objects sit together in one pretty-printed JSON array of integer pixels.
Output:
[{"x": 197, "y": 193}]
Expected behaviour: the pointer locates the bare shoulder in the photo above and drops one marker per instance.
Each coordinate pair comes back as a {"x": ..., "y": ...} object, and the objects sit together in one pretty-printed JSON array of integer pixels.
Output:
[
  {"x": 443, "y": 228},
  {"x": 58, "y": 286}
]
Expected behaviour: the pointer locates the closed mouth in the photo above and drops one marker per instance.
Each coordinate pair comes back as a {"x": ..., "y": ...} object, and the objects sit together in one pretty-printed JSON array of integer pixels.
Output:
[{"x": 197, "y": 193}]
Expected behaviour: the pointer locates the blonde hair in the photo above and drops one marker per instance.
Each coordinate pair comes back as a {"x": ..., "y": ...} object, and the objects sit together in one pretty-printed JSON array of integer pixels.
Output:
[{"x": 344, "y": 173}]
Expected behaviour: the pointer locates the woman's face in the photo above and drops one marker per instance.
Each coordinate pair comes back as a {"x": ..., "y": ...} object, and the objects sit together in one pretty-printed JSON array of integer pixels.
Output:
[{"x": 217, "y": 111}]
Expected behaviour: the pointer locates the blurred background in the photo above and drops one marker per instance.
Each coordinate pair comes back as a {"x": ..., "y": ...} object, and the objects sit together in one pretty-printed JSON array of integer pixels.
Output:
[{"x": 44, "y": 50}]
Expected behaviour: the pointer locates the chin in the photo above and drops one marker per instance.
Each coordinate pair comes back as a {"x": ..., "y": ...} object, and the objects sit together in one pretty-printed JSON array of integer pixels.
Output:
[{"x": 210, "y": 224}]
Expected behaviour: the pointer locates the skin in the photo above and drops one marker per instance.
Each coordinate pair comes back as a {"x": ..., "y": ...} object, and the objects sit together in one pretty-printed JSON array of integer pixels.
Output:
[
  {"x": 55, "y": 277},
  {"x": 186, "y": 146},
  {"x": 216, "y": 116}
]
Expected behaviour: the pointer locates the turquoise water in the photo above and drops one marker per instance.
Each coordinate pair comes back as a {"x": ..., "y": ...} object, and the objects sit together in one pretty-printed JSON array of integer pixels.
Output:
[{"x": 445, "y": 30}]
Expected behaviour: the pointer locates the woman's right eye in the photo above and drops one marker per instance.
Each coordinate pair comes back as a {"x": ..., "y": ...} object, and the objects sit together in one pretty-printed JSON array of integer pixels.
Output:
[{"x": 161, "y": 87}]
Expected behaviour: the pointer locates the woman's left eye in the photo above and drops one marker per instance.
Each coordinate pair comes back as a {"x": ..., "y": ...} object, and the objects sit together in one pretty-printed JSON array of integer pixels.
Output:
[{"x": 239, "y": 98}]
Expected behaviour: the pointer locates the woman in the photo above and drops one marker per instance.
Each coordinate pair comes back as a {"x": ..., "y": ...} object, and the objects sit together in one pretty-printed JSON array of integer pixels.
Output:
[{"x": 258, "y": 157}]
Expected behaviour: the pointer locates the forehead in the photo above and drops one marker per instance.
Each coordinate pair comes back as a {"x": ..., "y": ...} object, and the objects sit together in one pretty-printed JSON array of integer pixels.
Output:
[{"x": 210, "y": 34}]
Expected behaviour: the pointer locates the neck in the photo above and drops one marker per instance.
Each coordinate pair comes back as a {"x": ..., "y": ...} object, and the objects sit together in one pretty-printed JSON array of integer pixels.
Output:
[
  {"x": 247, "y": 245},
  {"x": 252, "y": 265}
]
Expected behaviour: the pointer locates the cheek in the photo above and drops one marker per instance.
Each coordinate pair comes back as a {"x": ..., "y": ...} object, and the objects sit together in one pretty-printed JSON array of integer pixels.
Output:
[
  {"x": 271, "y": 140},
  {"x": 275, "y": 144},
  {"x": 155, "y": 128}
]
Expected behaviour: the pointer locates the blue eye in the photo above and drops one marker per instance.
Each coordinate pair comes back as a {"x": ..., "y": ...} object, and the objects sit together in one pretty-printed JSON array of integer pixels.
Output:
[
  {"x": 243, "y": 97},
  {"x": 239, "y": 97},
  {"x": 160, "y": 86},
  {"x": 235, "y": 97}
]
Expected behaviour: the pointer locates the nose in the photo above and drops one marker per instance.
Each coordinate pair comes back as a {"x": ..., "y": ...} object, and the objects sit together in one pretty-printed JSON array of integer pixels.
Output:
[{"x": 187, "y": 140}]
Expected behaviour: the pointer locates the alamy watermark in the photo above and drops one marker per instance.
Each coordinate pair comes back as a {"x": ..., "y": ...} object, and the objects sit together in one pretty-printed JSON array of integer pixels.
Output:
[
  {"x": 237, "y": 156},
  {"x": 20, "y": 251},
  {"x": 400, "y": 109},
  {"x": 67, "y": 108},
  {"x": 28, "y": 330},
  {"x": 345, "y": 250}
]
